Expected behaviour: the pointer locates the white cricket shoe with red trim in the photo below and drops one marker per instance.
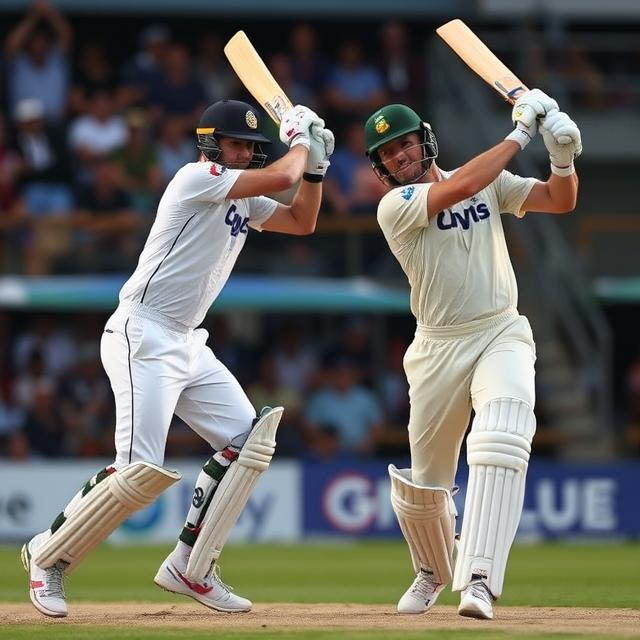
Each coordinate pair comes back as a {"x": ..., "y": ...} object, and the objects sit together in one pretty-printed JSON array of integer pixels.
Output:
[
  {"x": 46, "y": 586},
  {"x": 211, "y": 591},
  {"x": 421, "y": 595}
]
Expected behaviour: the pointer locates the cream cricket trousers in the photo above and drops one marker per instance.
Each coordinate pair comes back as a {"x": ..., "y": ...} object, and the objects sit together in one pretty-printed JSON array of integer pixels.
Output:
[
  {"x": 158, "y": 367},
  {"x": 451, "y": 370}
]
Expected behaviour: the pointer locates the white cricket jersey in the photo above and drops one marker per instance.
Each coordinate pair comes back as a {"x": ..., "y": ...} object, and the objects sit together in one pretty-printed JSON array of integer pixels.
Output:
[
  {"x": 457, "y": 261},
  {"x": 194, "y": 242}
]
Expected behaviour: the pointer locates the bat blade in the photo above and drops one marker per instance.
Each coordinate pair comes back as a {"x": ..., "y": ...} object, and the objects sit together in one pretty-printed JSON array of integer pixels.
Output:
[
  {"x": 480, "y": 59},
  {"x": 256, "y": 77}
]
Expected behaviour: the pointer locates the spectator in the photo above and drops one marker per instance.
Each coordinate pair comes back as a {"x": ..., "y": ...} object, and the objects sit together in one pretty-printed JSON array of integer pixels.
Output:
[
  {"x": 86, "y": 408},
  {"x": 31, "y": 381},
  {"x": 177, "y": 93},
  {"x": 94, "y": 73},
  {"x": 56, "y": 346},
  {"x": 350, "y": 186},
  {"x": 43, "y": 426},
  {"x": 44, "y": 179},
  {"x": 36, "y": 52},
  {"x": 213, "y": 71},
  {"x": 294, "y": 360},
  {"x": 267, "y": 391},
  {"x": 403, "y": 72},
  {"x": 106, "y": 225},
  {"x": 354, "y": 87},
  {"x": 97, "y": 134},
  {"x": 346, "y": 406},
  {"x": 173, "y": 149},
  {"x": 136, "y": 164},
  {"x": 142, "y": 74},
  {"x": 309, "y": 67}
]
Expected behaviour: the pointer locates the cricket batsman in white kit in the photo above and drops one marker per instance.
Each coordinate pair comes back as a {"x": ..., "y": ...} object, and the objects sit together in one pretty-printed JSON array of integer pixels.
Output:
[
  {"x": 472, "y": 349},
  {"x": 159, "y": 364}
]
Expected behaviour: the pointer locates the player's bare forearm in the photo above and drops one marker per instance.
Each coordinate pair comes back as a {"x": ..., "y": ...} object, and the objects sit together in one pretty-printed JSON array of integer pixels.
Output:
[
  {"x": 472, "y": 177},
  {"x": 292, "y": 163},
  {"x": 557, "y": 195},
  {"x": 305, "y": 205}
]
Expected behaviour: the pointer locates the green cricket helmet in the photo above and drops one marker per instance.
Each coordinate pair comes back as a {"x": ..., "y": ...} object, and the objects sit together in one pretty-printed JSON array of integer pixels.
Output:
[{"x": 389, "y": 123}]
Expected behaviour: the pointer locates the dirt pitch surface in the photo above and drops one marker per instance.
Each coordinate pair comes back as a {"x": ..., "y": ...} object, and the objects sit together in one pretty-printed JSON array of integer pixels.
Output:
[{"x": 276, "y": 616}]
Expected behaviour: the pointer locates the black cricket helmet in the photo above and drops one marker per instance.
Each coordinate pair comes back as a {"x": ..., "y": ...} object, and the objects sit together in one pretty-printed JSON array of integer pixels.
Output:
[
  {"x": 391, "y": 122},
  {"x": 231, "y": 119}
]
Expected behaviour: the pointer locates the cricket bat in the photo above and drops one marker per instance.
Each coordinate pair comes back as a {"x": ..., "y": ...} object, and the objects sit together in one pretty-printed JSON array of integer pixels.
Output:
[
  {"x": 479, "y": 58},
  {"x": 255, "y": 76}
]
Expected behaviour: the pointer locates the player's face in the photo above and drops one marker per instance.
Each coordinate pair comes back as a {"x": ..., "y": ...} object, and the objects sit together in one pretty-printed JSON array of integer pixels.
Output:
[
  {"x": 403, "y": 157},
  {"x": 236, "y": 154}
]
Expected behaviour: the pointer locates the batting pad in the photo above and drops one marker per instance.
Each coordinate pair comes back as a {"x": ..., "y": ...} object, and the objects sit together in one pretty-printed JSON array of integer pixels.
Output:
[
  {"x": 102, "y": 510},
  {"x": 232, "y": 494},
  {"x": 498, "y": 449},
  {"x": 427, "y": 517}
]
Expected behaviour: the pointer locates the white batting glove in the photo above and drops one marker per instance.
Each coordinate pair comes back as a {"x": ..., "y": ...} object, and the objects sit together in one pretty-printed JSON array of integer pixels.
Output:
[
  {"x": 532, "y": 105},
  {"x": 295, "y": 127},
  {"x": 563, "y": 141},
  {"x": 322, "y": 146}
]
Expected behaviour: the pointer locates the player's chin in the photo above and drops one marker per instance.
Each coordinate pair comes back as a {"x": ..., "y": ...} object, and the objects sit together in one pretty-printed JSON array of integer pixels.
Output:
[
  {"x": 406, "y": 176},
  {"x": 239, "y": 165}
]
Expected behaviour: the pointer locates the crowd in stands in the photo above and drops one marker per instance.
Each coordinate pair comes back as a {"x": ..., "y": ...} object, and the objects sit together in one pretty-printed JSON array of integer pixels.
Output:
[{"x": 88, "y": 142}]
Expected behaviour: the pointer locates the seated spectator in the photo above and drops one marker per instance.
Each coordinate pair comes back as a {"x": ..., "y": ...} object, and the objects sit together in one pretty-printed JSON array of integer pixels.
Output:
[
  {"x": 44, "y": 185},
  {"x": 13, "y": 440},
  {"x": 142, "y": 73},
  {"x": 348, "y": 407},
  {"x": 177, "y": 92},
  {"x": 94, "y": 73},
  {"x": 295, "y": 360},
  {"x": 213, "y": 72},
  {"x": 309, "y": 67},
  {"x": 43, "y": 426},
  {"x": 96, "y": 134},
  {"x": 36, "y": 51},
  {"x": 106, "y": 226},
  {"x": 267, "y": 391},
  {"x": 32, "y": 380},
  {"x": 137, "y": 165},
  {"x": 57, "y": 347},
  {"x": 402, "y": 70},
  {"x": 351, "y": 187},
  {"x": 174, "y": 148},
  {"x": 354, "y": 87},
  {"x": 86, "y": 405}
]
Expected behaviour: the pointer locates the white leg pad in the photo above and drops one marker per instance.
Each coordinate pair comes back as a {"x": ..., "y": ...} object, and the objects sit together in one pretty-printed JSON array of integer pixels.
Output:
[
  {"x": 103, "y": 510},
  {"x": 427, "y": 518},
  {"x": 498, "y": 449},
  {"x": 233, "y": 493}
]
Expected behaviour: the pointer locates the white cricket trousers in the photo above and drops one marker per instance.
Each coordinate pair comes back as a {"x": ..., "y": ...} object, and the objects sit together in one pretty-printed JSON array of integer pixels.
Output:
[
  {"x": 453, "y": 369},
  {"x": 158, "y": 367}
]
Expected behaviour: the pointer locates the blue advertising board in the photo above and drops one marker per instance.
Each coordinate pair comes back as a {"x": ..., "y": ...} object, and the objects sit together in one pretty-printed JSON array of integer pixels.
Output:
[{"x": 351, "y": 498}]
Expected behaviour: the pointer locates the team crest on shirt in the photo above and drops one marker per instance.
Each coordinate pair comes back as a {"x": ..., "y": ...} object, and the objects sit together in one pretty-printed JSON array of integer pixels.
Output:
[
  {"x": 407, "y": 192},
  {"x": 216, "y": 169}
]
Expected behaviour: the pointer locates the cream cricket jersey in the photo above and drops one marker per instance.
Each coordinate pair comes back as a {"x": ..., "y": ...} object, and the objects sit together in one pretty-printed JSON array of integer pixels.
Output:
[
  {"x": 457, "y": 261},
  {"x": 194, "y": 242}
]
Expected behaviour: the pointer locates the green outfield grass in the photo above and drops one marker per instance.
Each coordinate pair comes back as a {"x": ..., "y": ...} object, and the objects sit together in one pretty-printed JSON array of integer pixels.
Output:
[
  {"x": 547, "y": 575},
  {"x": 369, "y": 573}
]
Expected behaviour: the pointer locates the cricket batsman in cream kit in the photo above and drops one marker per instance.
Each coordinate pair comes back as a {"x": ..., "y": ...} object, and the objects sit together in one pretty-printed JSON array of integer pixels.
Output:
[{"x": 472, "y": 349}]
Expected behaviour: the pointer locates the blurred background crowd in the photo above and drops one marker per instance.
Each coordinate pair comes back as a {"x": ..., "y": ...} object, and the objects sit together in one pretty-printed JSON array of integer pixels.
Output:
[{"x": 98, "y": 113}]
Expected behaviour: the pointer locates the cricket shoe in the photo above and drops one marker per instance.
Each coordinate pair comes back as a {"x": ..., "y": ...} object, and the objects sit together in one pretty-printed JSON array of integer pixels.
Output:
[
  {"x": 46, "y": 586},
  {"x": 210, "y": 591},
  {"x": 476, "y": 601},
  {"x": 421, "y": 595}
]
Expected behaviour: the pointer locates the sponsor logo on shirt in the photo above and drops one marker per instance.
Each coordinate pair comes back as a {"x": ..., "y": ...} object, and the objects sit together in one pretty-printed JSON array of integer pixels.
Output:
[
  {"x": 217, "y": 169},
  {"x": 451, "y": 219},
  {"x": 237, "y": 223},
  {"x": 407, "y": 192}
]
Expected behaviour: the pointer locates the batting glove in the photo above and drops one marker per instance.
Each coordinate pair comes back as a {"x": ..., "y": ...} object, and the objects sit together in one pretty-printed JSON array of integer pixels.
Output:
[
  {"x": 322, "y": 146},
  {"x": 532, "y": 105},
  {"x": 563, "y": 141},
  {"x": 295, "y": 127}
]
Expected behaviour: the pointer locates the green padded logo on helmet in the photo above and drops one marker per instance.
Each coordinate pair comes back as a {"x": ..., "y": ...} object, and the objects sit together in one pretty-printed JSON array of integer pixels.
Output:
[{"x": 388, "y": 123}]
